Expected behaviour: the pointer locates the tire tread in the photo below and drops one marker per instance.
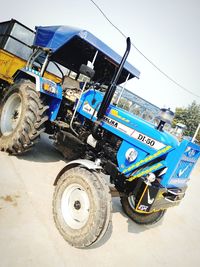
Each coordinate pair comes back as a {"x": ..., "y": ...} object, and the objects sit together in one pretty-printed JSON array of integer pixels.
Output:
[{"x": 25, "y": 136}]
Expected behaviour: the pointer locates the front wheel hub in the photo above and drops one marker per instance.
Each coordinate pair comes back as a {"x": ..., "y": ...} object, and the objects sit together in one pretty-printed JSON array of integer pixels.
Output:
[{"x": 75, "y": 206}]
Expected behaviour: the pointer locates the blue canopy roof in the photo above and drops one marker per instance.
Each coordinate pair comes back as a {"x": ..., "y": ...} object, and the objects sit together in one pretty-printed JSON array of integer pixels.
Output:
[{"x": 59, "y": 38}]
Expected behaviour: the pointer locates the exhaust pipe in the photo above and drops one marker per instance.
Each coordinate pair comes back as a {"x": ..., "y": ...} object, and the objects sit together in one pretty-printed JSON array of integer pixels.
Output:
[{"x": 112, "y": 87}]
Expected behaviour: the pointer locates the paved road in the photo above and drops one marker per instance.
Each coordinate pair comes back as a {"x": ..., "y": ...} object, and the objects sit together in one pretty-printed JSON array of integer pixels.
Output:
[{"x": 28, "y": 236}]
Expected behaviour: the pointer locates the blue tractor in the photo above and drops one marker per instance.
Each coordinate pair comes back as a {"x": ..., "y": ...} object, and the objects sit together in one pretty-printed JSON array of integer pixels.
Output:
[{"x": 148, "y": 167}]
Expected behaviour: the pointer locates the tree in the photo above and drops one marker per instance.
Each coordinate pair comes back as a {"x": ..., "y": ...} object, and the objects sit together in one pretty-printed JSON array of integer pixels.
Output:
[{"x": 189, "y": 116}]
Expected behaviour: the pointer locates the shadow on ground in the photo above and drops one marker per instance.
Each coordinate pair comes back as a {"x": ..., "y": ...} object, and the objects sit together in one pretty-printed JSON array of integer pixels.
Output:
[
  {"x": 43, "y": 152},
  {"x": 132, "y": 226},
  {"x": 104, "y": 239}
]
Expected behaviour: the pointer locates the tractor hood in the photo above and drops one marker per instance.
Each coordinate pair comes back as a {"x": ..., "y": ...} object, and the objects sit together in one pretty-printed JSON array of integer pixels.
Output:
[
  {"x": 126, "y": 125},
  {"x": 72, "y": 47},
  {"x": 144, "y": 133}
]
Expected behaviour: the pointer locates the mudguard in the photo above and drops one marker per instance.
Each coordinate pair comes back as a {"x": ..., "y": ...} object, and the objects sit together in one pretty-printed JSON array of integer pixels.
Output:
[
  {"x": 88, "y": 164},
  {"x": 52, "y": 90}
]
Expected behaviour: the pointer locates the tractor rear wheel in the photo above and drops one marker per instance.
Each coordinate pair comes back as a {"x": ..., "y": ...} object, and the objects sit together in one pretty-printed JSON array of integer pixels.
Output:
[
  {"x": 81, "y": 207},
  {"x": 140, "y": 218},
  {"x": 22, "y": 118}
]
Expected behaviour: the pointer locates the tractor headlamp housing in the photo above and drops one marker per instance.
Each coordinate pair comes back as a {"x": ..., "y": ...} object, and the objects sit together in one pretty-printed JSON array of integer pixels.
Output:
[{"x": 131, "y": 154}]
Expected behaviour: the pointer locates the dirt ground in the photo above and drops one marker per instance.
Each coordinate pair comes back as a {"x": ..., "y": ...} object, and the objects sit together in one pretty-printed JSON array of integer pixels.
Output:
[{"x": 28, "y": 236}]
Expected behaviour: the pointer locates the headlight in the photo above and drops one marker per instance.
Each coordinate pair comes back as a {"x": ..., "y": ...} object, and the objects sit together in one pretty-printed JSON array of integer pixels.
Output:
[{"x": 131, "y": 154}]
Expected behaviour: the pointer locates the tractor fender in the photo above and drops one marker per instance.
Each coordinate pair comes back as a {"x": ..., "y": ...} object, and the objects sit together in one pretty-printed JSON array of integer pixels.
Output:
[
  {"x": 28, "y": 75},
  {"x": 54, "y": 97},
  {"x": 88, "y": 164}
]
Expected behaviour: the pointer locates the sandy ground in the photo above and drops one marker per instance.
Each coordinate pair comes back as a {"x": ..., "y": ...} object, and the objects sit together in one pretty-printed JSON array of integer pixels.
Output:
[{"x": 28, "y": 236}]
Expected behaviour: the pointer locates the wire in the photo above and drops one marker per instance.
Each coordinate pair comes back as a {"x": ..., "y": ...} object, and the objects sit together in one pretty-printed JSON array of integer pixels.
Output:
[{"x": 150, "y": 61}]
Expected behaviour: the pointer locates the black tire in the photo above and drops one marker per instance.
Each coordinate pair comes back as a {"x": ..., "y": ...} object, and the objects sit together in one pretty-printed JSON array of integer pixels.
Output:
[
  {"x": 29, "y": 117},
  {"x": 3, "y": 88},
  {"x": 82, "y": 224},
  {"x": 140, "y": 218}
]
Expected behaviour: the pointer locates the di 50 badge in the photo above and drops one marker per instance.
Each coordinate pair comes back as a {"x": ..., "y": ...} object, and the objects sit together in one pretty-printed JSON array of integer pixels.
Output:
[{"x": 147, "y": 140}]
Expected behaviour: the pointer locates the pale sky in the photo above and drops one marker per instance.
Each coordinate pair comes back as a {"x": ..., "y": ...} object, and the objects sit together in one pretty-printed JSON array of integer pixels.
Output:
[{"x": 166, "y": 31}]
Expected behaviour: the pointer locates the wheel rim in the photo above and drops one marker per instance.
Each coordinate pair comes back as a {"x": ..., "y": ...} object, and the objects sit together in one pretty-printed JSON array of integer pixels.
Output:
[
  {"x": 11, "y": 114},
  {"x": 75, "y": 206}
]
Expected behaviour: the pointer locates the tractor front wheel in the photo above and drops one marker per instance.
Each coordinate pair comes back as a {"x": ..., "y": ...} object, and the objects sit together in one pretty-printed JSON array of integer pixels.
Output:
[
  {"x": 128, "y": 205},
  {"x": 81, "y": 207}
]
